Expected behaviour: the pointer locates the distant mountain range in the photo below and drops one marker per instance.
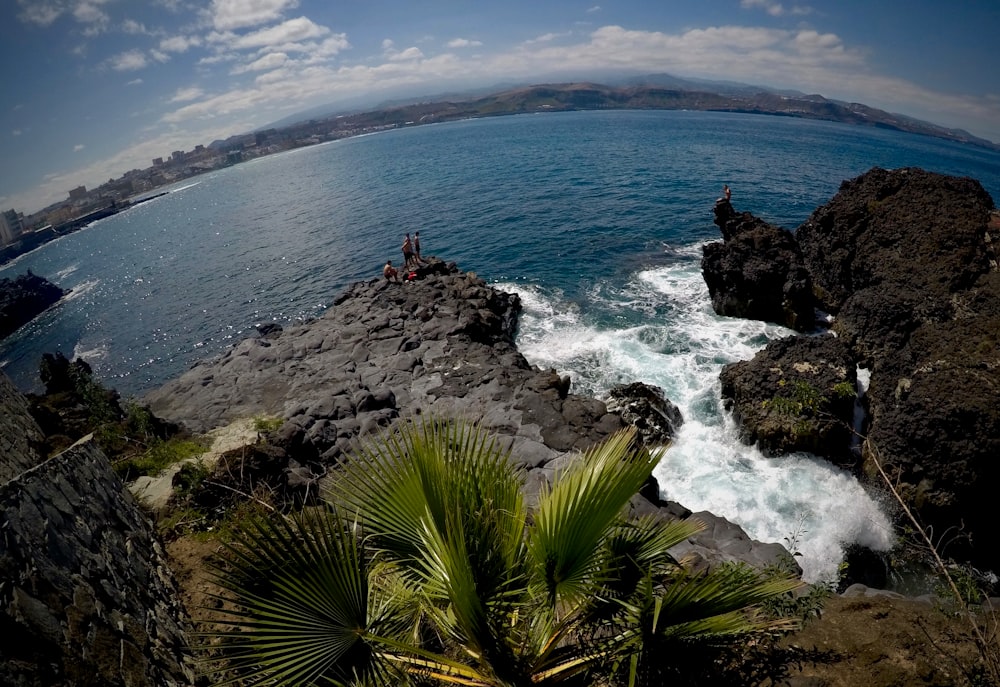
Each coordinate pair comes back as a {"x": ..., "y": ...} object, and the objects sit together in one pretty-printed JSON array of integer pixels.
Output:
[{"x": 655, "y": 91}]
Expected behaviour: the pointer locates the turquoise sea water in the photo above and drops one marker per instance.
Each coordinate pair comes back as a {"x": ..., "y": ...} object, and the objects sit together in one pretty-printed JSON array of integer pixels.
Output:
[{"x": 596, "y": 219}]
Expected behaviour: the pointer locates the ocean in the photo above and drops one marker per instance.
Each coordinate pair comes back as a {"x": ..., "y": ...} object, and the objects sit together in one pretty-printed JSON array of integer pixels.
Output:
[{"x": 596, "y": 219}]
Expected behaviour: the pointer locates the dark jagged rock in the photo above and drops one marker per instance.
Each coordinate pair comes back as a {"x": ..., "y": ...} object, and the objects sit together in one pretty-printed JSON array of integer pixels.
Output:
[
  {"x": 907, "y": 261},
  {"x": 269, "y": 330},
  {"x": 757, "y": 272},
  {"x": 935, "y": 410},
  {"x": 86, "y": 596},
  {"x": 24, "y": 298},
  {"x": 647, "y": 409},
  {"x": 892, "y": 250},
  {"x": 795, "y": 395}
]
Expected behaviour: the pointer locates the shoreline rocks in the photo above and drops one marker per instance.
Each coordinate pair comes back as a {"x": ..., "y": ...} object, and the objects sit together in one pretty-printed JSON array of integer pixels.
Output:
[
  {"x": 441, "y": 344},
  {"x": 24, "y": 298},
  {"x": 757, "y": 272},
  {"x": 906, "y": 260}
]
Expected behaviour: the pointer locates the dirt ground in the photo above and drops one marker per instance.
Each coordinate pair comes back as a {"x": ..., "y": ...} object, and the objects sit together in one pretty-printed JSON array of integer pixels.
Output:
[
  {"x": 861, "y": 641},
  {"x": 879, "y": 641}
]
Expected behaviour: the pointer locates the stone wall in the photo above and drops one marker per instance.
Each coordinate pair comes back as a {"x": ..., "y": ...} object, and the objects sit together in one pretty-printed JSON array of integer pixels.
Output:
[{"x": 85, "y": 597}]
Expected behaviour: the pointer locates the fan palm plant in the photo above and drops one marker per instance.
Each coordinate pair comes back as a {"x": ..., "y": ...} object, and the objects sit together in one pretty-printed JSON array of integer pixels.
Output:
[{"x": 428, "y": 566}]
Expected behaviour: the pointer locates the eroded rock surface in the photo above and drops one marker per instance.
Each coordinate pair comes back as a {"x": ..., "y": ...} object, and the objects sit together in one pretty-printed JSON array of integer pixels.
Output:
[
  {"x": 757, "y": 272},
  {"x": 907, "y": 261},
  {"x": 797, "y": 394}
]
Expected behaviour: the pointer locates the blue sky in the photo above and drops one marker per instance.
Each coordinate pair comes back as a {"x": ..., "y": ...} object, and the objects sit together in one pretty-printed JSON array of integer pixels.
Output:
[{"x": 94, "y": 88}]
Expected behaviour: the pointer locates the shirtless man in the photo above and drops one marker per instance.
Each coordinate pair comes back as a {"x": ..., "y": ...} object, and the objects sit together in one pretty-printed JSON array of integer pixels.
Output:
[
  {"x": 389, "y": 272},
  {"x": 407, "y": 251}
]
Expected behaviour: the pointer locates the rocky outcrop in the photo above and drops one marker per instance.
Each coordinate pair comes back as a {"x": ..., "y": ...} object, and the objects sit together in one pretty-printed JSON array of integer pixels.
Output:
[
  {"x": 85, "y": 598},
  {"x": 907, "y": 259},
  {"x": 441, "y": 344},
  {"x": 757, "y": 272},
  {"x": 903, "y": 228},
  {"x": 907, "y": 262},
  {"x": 646, "y": 408},
  {"x": 23, "y": 298},
  {"x": 797, "y": 394},
  {"x": 895, "y": 249}
]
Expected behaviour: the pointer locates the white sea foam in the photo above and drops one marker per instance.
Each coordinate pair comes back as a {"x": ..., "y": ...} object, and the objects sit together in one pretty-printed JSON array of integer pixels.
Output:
[
  {"x": 82, "y": 289},
  {"x": 186, "y": 186},
  {"x": 681, "y": 345},
  {"x": 65, "y": 272},
  {"x": 95, "y": 352}
]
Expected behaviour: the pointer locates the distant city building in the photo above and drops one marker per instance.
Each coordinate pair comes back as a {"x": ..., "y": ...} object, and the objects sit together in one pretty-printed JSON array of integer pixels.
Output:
[
  {"x": 157, "y": 161},
  {"x": 11, "y": 226},
  {"x": 78, "y": 193}
]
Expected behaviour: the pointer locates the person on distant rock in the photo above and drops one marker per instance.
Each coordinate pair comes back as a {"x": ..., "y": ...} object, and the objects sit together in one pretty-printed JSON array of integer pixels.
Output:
[
  {"x": 416, "y": 248},
  {"x": 389, "y": 272},
  {"x": 726, "y": 195},
  {"x": 407, "y": 251}
]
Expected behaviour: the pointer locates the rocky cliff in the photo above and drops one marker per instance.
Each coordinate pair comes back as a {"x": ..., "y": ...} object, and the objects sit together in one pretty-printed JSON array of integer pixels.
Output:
[
  {"x": 906, "y": 262},
  {"x": 85, "y": 596}
]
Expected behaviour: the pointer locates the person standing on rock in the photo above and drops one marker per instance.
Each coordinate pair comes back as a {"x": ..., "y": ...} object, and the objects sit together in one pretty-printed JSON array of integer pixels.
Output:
[
  {"x": 416, "y": 248},
  {"x": 407, "y": 251}
]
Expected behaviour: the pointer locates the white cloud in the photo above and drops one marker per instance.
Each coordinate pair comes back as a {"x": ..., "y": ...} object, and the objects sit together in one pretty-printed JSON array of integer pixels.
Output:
[
  {"x": 78, "y": 147},
  {"x": 775, "y": 9},
  {"x": 408, "y": 54},
  {"x": 92, "y": 16},
  {"x": 15, "y": 132},
  {"x": 387, "y": 44},
  {"x": 239, "y": 14},
  {"x": 266, "y": 63},
  {"x": 332, "y": 46},
  {"x": 131, "y": 26},
  {"x": 40, "y": 13},
  {"x": 184, "y": 95},
  {"x": 179, "y": 43},
  {"x": 595, "y": 8},
  {"x": 547, "y": 37},
  {"x": 463, "y": 43},
  {"x": 134, "y": 82},
  {"x": 128, "y": 61},
  {"x": 290, "y": 31}
]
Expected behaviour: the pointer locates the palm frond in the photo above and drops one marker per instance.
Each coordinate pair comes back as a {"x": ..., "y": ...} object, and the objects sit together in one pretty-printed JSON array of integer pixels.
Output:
[
  {"x": 301, "y": 590},
  {"x": 576, "y": 514}
]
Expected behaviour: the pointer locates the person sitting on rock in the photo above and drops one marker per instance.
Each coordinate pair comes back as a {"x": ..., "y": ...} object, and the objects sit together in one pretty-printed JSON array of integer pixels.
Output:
[
  {"x": 726, "y": 194},
  {"x": 389, "y": 272}
]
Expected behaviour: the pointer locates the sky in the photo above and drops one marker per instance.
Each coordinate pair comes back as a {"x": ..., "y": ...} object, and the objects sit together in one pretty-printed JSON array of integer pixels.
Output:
[{"x": 95, "y": 88}]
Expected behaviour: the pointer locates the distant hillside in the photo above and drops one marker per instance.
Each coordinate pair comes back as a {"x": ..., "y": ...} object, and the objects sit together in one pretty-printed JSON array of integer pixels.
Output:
[{"x": 653, "y": 92}]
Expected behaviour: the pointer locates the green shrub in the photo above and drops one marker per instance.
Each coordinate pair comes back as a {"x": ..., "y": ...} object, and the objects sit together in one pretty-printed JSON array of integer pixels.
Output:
[{"x": 159, "y": 456}]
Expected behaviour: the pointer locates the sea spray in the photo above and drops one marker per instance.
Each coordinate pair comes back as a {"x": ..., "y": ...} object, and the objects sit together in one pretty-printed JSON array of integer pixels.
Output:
[{"x": 658, "y": 327}]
